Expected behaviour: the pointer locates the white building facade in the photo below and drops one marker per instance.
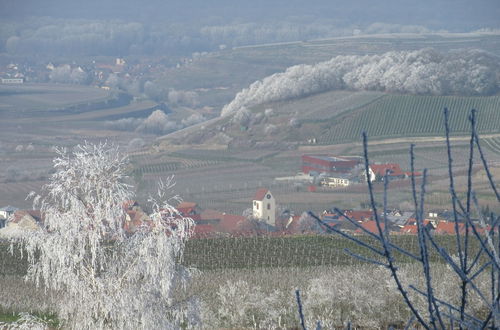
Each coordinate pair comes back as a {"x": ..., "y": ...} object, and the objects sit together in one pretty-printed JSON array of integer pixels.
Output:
[{"x": 264, "y": 206}]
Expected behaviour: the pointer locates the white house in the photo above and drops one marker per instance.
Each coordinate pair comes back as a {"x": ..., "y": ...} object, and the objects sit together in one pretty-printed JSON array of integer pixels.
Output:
[
  {"x": 335, "y": 182},
  {"x": 7, "y": 211},
  {"x": 12, "y": 81},
  {"x": 264, "y": 206}
]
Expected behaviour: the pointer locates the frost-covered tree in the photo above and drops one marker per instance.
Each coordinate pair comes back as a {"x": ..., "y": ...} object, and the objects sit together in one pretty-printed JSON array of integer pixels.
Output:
[
  {"x": 425, "y": 71},
  {"x": 158, "y": 123},
  {"x": 108, "y": 277},
  {"x": 61, "y": 74}
]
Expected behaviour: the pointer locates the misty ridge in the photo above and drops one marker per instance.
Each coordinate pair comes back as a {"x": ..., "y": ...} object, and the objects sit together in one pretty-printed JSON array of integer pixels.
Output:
[
  {"x": 121, "y": 28},
  {"x": 426, "y": 71},
  {"x": 118, "y": 38}
]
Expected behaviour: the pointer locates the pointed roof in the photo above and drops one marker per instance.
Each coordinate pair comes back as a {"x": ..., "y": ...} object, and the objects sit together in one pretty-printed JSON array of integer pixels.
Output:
[{"x": 260, "y": 194}]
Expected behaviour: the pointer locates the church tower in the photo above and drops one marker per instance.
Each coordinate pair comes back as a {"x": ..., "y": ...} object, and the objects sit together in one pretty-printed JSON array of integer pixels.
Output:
[{"x": 264, "y": 206}]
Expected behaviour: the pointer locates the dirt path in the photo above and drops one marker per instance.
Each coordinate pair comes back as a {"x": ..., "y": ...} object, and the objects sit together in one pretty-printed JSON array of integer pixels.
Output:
[{"x": 420, "y": 139}]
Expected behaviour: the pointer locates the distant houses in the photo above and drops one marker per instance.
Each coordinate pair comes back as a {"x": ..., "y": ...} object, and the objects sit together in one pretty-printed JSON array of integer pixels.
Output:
[
  {"x": 343, "y": 171},
  {"x": 5, "y": 213},
  {"x": 262, "y": 219}
]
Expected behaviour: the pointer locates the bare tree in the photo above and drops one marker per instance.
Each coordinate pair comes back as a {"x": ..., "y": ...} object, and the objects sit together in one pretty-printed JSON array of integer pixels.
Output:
[{"x": 471, "y": 266}]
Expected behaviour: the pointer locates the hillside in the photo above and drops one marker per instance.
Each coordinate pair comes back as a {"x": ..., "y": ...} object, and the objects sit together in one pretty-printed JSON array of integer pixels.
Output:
[
  {"x": 341, "y": 116},
  {"x": 406, "y": 115}
]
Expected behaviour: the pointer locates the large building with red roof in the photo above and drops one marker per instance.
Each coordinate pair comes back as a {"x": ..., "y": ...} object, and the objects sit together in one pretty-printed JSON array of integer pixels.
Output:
[
  {"x": 393, "y": 171},
  {"x": 329, "y": 164}
]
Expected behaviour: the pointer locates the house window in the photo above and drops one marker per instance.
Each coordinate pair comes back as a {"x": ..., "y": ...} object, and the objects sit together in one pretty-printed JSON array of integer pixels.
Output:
[
  {"x": 256, "y": 206},
  {"x": 268, "y": 206}
]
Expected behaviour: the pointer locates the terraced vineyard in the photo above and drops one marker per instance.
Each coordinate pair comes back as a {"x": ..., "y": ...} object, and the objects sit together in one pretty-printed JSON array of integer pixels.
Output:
[
  {"x": 406, "y": 115},
  {"x": 296, "y": 251},
  {"x": 327, "y": 105},
  {"x": 492, "y": 143}
]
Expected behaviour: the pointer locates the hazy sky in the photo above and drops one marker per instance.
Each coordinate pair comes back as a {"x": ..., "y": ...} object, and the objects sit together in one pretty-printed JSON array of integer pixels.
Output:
[
  {"x": 182, "y": 27},
  {"x": 450, "y": 14}
]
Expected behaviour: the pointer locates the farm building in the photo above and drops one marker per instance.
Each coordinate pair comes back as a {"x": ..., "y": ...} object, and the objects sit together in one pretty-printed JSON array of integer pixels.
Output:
[
  {"x": 329, "y": 165},
  {"x": 378, "y": 172}
]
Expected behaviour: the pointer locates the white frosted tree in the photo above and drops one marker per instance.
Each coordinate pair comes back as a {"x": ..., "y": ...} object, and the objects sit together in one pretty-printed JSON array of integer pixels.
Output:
[
  {"x": 107, "y": 277},
  {"x": 425, "y": 71}
]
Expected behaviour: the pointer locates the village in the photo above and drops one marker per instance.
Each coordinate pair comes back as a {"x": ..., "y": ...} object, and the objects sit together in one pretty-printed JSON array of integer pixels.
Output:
[
  {"x": 99, "y": 72},
  {"x": 265, "y": 217}
]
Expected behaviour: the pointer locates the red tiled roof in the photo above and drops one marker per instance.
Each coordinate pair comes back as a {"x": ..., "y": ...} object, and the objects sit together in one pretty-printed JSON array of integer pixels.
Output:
[
  {"x": 129, "y": 204},
  {"x": 229, "y": 222},
  {"x": 211, "y": 215},
  {"x": 260, "y": 194},
  {"x": 359, "y": 215},
  {"x": 448, "y": 227},
  {"x": 371, "y": 226},
  {"x": 293, "y": 225},
  {"x": 20, "y": 214},
  {"x": 413, "y": 222},
  {"x": 137, "y": 219},
  {"x": 189, "y": 209},
  {"x": 409, "y": 229},
  {"x": 380, "y": 169},
  {"x": 186, "y": 205}
]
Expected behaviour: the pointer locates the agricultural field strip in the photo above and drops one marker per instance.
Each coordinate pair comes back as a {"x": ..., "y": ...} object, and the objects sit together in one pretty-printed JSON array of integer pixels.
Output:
[
  {"x": 41, "y": 96},
  {"x": 385, "y": 117},
  {"x": 351, "y": 102},
  {"x": 256, "y": 252},
  {"x": 240, "y": 174},
  {"x": 492, "y": 143},
  {"x": 96, "y": 114},
  {"x": 261, "y": 252},
  {"x": 312, "y": 51}
]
